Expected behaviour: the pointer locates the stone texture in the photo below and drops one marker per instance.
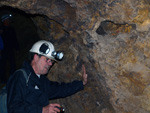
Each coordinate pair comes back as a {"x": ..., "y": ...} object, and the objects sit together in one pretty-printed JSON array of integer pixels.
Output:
[{"x": 112, "y": 39}]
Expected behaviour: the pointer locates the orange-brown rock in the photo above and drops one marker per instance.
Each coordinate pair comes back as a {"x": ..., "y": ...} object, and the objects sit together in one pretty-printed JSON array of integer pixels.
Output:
[{"x": 112, "y": 39}]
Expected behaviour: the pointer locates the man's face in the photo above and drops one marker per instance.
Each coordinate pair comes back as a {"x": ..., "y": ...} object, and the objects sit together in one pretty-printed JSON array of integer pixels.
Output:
[{"x": 43, "y": 65}]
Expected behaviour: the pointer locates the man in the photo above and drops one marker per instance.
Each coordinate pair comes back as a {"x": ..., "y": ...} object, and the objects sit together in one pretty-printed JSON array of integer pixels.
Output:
[
  {"x": 32, "y": 96},
  {"x": 10, "y": 45}
]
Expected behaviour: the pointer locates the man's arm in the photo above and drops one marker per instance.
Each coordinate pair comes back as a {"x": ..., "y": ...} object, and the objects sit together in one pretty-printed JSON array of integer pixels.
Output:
[
  {"x": 57, "y": 90},
  {"x": 60, "y": 90}
]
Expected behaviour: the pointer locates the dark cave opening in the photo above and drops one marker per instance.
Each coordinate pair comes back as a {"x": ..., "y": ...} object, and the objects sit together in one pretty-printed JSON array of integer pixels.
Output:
[{"x": 26, "y": 33}]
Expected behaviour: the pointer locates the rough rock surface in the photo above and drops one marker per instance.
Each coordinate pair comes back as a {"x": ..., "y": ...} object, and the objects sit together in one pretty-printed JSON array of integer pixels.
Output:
[{"x": 112, "y": 39}]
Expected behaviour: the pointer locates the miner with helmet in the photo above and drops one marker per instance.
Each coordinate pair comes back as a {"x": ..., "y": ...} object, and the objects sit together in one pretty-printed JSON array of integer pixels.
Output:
[{"x": 33, "y": 95}]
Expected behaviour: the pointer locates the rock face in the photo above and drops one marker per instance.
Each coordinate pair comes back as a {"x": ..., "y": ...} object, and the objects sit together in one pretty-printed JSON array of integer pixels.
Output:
[{"x": 112, "y": 39}]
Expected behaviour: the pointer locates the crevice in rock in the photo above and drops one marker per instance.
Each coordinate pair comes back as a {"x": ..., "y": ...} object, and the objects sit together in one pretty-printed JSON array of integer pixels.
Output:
[{"x": 112, "y": 28}]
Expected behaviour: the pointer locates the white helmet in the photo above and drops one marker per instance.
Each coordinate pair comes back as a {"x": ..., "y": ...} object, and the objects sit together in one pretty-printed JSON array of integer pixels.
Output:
[{"x": 46, "y": 48}]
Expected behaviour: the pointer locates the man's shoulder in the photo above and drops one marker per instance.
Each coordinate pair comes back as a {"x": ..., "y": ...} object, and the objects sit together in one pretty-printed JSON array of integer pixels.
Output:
[
  {"x": 17, "y": 79},
  {"x": 18, "y": 75}
]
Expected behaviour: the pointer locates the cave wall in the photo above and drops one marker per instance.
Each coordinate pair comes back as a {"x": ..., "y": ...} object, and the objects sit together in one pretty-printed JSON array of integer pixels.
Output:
[{"x": 110, "y": 37}]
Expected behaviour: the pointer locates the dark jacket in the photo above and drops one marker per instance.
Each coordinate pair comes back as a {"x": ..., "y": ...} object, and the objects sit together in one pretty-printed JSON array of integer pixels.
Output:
[{"x": 31, "y": 96}]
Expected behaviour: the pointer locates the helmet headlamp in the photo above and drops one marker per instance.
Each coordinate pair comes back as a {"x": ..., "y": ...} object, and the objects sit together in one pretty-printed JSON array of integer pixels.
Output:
[{"x": 57, "y": 55}]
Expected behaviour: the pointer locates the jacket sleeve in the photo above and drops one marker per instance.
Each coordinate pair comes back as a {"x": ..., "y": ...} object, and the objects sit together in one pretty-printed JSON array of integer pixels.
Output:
[
  {"x": 16, "y": 90},
  {"x": 61, "y": 90}
]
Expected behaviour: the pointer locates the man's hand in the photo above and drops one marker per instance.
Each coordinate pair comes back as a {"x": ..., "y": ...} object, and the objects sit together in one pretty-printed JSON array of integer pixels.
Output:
[
  {"x": 84, "y": 76},
  {"x": 51, "y": 108}
]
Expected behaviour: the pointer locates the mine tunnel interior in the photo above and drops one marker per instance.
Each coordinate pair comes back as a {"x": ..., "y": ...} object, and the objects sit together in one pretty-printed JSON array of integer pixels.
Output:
[
  {"x": 74, "y": 49},
  {"x": 111, "y": 38},
  {"x": 26, "y": 33}
]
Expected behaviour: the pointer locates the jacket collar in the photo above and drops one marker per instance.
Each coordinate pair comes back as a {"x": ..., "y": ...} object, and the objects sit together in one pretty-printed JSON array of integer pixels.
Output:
[{"x": 34, "y": 78}]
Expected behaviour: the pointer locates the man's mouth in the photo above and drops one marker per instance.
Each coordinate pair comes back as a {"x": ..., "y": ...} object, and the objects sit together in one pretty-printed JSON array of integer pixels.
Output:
[{"x": 47, "y": 67}]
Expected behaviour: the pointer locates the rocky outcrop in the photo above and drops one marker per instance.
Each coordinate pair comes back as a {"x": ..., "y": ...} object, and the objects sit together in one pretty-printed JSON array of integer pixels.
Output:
[{"x": 110, "y": 37}]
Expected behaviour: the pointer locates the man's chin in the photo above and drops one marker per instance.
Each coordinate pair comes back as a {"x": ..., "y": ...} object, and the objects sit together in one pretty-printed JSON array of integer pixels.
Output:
[{"x": 45, "y": 73}]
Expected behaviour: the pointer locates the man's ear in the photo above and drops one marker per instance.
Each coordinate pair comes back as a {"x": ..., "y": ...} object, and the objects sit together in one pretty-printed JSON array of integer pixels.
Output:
[{"x": 36, "y": 57}]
